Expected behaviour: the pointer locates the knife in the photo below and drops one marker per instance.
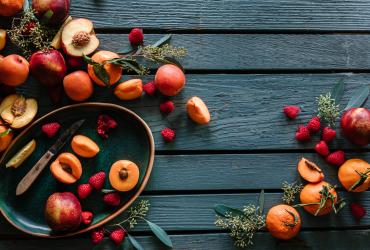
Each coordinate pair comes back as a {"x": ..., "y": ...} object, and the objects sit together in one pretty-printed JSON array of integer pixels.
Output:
[{"x": 35, "y": 171}]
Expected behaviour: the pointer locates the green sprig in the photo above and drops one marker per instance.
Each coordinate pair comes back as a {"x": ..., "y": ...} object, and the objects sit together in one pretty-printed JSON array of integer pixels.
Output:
[
  {"x": 290, "y": 191},
  {"x": 327, "y": 109}
]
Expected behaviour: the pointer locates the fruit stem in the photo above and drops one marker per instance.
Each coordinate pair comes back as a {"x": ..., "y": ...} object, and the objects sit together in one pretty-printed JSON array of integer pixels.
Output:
[{"x": 363, "y": 177}]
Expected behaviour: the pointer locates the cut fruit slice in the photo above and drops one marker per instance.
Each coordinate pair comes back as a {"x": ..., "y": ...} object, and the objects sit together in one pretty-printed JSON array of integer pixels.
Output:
[
  {"x": 78, "y": 38},
  {"x": 22, "y": 155},
  {"x": 20, "y": 121},
  {"x": 56, "y": 43},
  {"x": 310, "y": 171},
  {"x": 8, "y": 101}
]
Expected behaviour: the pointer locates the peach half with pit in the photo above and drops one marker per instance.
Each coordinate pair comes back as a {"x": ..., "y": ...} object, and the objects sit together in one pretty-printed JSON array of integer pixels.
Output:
[
  {"x": 66, "y": 168},
  {"x": 124, "y": 175}
]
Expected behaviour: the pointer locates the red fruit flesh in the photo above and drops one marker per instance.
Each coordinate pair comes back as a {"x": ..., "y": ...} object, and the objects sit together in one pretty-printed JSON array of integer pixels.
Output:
[
  {"x": 63, "y": 211},
  {"x": 49, "y": 67},
  {"x": 355, "y": 126},
  {"x": 59, "y": 8}
]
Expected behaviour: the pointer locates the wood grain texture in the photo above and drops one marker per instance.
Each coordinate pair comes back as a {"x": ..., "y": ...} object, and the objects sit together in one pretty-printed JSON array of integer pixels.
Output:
[
  {"x": 232, "y": 15},
  {"x": 350, "y": 239},
  {"x": 246, "y": 110},
  {"x": 195, "y": 212}
]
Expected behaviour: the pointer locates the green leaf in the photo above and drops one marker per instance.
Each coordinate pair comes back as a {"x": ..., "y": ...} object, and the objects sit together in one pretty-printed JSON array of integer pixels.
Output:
[
  {"x": 128, "y": 64},
  {"x": 163, "y": 40},
  {"x": 135, "y": 243},
  {"x": 222, "y": 210},
  {"x": 337, "y": 91},
  {"x": 126, "y": 245},
  {"x": 107, "y": 191},
  {"x": 101, "y": 73},
  {"x": 46, "y": 17},
  {"x": 5, "y": 133},
  {"x": 261, "y": 201},
  {"x": 160, "y": 233},
  {"x": 358, "y": 98},
  {"x": 172, "y": 60}
]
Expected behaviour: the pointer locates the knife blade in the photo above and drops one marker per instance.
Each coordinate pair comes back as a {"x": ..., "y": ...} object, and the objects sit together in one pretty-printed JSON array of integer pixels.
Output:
[{"x": 35, "y": 171}]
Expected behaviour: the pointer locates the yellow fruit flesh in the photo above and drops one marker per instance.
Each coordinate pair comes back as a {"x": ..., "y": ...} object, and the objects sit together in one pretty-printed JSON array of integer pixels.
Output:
[{"x": 21, "y": 155}]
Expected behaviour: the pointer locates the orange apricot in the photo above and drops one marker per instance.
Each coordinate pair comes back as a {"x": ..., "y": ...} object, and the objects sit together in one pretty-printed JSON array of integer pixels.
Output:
[
  {"x": 114, "y": 71},
  {"x": 6, "y": 138},
  {"x": 311, "y": 195},
  {"x": 84, "y": 146},
  {"x": 198, "y": 111},
  {"x": 354, "y": 175},
  {"x": 283, "y": 222},
  {"x": 124, "y": 175},
  {"x": 309, "y": 171},
  {"x": 14, "y": 70},
  {"x": 78, "y": 86},
  {"x": 129, "y": 90},
  {"x": 66, "y": 168},
  {"x": 10, "y": 7}
]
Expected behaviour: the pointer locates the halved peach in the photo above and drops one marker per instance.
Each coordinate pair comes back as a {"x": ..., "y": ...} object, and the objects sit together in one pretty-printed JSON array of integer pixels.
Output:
[
  {"x": 84, "y": 146},
  {"x": 124, "y": 175},
  {"x": 310, "y": 171},
  {"x": 66, "y": 168}
]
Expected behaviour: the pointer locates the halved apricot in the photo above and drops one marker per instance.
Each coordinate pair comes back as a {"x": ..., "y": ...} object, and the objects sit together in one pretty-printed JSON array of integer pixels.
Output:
[
  {"x": 310, "y": 171},
  {"x": 84, "y": 146},
  {"x": 124, "y": 175},
  {"x": 66, "y": 168}
]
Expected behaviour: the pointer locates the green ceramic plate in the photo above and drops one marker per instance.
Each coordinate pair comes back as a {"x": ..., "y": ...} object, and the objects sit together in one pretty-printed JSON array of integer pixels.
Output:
[{"x": 131, "y": 140}]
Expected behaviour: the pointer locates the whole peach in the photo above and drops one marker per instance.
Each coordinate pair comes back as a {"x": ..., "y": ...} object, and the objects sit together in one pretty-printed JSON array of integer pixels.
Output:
[
  {"x": 59, "y": 8},
  {"x": 14, "y": 70},
  {"x": 78, "y": 86},
  {"x": 169, "y": 80}
]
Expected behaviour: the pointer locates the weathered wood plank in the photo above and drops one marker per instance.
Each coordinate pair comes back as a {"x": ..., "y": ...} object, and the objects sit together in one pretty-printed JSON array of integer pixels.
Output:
[
  {"x": 195, "y": 212},
  {"x": 228, "y": 172},
  {"x": 246, "y": 109},
  {"x": 341, "y": 240},
  {"x": 217, "y": 14}
]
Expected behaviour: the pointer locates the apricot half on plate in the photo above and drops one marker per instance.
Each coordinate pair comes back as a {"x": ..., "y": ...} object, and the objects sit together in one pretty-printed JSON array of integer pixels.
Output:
[
  {"x": 310, "y": 171},
  {"x": 66, "y": 168},
  {"x": 84, "y": 146},
  {"x": 124, "y": 175}
]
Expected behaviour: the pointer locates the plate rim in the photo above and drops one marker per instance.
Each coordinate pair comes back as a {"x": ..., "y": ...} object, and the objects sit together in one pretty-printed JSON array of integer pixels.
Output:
[{"x": 127, "y": 204}]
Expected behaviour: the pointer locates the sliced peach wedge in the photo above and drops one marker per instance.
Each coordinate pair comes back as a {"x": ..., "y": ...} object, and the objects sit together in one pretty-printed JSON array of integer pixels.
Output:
[
  {"x": 78, "y": 38},
  {"x": 310, "y": 171}
]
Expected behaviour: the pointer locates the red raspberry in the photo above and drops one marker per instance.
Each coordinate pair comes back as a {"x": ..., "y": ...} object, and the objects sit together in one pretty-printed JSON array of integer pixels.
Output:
[
  {"x": 136, "y": 36},
  {"x": 97, "y": 236},
  {"x": 104, "y": 124},
  {"x": 167, "y": 107},
  {"x": 112, "y": 199},
  {"x": 291, "y": 111},
  {"x": 149, "y": 88},
  {"x": 336, "y": 158},
  {"x": 357, "y": 210},
  {"x": 86, "y": 217},
  {"x": 328, "y": 134},
  {"x": 314, "y": 124},
  {"x": 97, "y": 180},
  {"x": 302, "y": 134},
  {"x": 117, "y": 236},
  {"x": 168, "y": 134},
  {"x": 322, "y": 148},
  {"x": 28, "y": 27},
  {"x": 84, "y": 190},
  {"x": 50, "y": 129}
]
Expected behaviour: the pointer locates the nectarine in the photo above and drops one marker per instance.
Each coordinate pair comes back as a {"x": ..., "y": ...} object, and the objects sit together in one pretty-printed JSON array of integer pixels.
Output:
[
  {"x": 10, "y": 7},
  {"x": 78, "y": 86},
  {"x": 14, "y": 70},
  {"x": 169, "y": 79}
]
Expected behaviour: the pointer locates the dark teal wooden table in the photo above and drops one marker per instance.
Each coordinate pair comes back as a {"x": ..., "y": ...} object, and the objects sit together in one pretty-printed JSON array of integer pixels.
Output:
[{"x": 247, "y": 59}]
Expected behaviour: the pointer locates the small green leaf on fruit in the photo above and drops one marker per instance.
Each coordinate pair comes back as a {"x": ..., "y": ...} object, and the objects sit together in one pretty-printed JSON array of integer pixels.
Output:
[
  {"x": 101, "y": 73},
  {"x": 160, "y": 233},
  {"x": 358, "y": 98},
  {"x": 47, "y": 16},
  {"x": 5, "y": 133},
  {"x": 223, "y": 210}
]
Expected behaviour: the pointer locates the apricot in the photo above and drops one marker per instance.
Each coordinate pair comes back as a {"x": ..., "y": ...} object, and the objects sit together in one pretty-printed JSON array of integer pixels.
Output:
[
  {"x": 14, "y": 70},
  {"x": 310, "y": 171},
  {"x": 129, "y": 90},
  {"x": 84, "y": 146},
  {"x": 6, "y": 138},
  {"x": 2, "y": 39},
  {"x": 113, "y": 71},
  {"x": 10, "y": 7},
  {"x": 198, "y": 111},
  {"x": 66, "y": 168},
  {"x": 124, "y": 175},
  {"x": 78, "y": 86},
  {"x": 169, "y": 80}
]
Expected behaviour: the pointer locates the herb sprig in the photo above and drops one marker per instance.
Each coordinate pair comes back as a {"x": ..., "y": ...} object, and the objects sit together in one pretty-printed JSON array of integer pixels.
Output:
[{"x": 290, "y": 191}]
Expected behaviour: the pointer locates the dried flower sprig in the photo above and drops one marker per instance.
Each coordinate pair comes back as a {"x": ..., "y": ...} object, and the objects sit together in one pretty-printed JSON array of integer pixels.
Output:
[
  {"x": 160, "y": 54},
  {"x": 242, "y": 227},
  {"x": 28, "y": 34},
  {"x": 135, "y": 213},
  {"x": 327, "y": 109},
  {"x": 290, "y": 191}
]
